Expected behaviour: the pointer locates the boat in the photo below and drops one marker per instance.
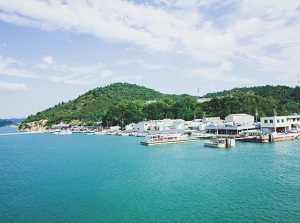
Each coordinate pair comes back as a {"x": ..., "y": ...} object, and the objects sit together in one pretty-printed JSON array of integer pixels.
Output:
[
  {"x": 167, "y": 138},
  {"x": 89, "y": 132},
  {"x": 122, "y": 133},
  {"x": 99, "y": 133},
  {"x": 62, "y": 132},
  {"x": 220, "y": 142}
]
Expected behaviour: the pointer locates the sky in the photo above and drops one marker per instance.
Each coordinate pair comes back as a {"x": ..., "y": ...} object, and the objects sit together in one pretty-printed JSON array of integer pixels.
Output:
[{"x": 56, "y": 50}]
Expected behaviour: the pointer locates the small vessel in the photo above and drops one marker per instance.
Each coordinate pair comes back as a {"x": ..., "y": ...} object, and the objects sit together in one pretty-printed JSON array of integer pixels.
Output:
[
  {"x": 168, "y": 138},
  {"x": 122, "y": 133},
  {"x": 62, "y": 132},
  {"x": 91, "y": 132},
  {"x": 220, "y": 143},
  {"x": 99, "y": 133}
]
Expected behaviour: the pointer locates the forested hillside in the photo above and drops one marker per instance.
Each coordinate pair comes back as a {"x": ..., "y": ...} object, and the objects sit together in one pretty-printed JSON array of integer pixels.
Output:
[
  {"x": 4, "y": 123},
  {"x": 94, "y": 105},
  {"x": 123, "y": 103},
  {"x": 280, "y": 93}
]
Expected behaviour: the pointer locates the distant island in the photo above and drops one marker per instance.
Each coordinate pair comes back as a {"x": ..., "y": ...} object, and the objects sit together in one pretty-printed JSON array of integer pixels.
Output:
[
  {"x": 124, "y": 103},
  {"x": 10, "y": 122}
]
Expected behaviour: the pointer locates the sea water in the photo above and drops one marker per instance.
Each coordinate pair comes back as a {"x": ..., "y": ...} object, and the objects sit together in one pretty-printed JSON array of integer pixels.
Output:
[{"x": 93, "y": 178}]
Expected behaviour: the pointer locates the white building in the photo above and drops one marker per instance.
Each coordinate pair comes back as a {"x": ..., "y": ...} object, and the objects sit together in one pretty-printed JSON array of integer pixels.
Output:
[
  {"x": 129, "y": 127},
  {"x": 142, "y": 126},
  {"x": 280, "y": 123},
  {"x": 213, "y": 120},
  {"x": 201, "y": 100},
  {"x": 165, "y": 124},
  {"x": 234, "y": 124},
  {"x": 240, "y": 119},
  {"x": 195, "y": 124}
]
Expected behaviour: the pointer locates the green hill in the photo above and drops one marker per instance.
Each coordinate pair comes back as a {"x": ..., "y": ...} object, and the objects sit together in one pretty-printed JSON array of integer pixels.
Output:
[
  {"x": 94, "y": 105},
  {"x": 285, "y": 100},
  {"x": 123, "y": 103},
  {"x": 280, "y": 93},
  {"x": 4, "y": 123}
]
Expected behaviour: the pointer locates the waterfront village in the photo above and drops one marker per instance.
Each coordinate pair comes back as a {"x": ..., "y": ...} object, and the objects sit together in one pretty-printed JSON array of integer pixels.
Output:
[{"x": 241, "y": 127}]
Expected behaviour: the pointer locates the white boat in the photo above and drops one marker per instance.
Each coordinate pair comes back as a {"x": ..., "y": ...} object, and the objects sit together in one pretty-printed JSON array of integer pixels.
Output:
[
  {"x": 89, "y": 132},
  {"x": 122, "y": 134},
  {"x": 167, "y": 138},
  {"x": 220, "y": 143},
  {"x": 99, "y": 133},
  {"x": 62, "y": 132}
]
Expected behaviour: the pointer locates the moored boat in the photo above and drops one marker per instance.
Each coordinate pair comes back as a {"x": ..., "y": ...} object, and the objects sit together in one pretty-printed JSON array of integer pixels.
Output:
[
  {"x": 62, "y": 132},
  {"x": 220, "y": 142},
  {"x": 167, "y": 138}
]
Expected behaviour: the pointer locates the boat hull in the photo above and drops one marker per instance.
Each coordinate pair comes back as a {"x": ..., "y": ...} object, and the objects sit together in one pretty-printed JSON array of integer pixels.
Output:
[
  {"x": 215, "y": 145},
  {"x": 220, "y": 143},
  {"x": 163, "y": 142}
]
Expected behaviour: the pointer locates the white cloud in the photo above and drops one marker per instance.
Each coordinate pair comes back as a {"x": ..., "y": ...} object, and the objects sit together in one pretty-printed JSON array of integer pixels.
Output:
[
  {"x": 219, "y": 75},
  {"x": 139, "y": 77},
  {"x": 106, "y": 73},
  {"x": 12, "y": 67},
  {"x": 55, "y": 72},
  {"x": 226, "y": 66},
  {"x": 2, "y": 46},
  {"x": 261, "y": 34},
  {"x": 48, "y": 60},
  {"x": 6, "y": 87},
  {"x": 146, "y": 65}
]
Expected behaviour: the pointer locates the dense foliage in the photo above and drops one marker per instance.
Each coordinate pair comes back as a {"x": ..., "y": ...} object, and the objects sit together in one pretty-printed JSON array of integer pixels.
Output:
[
  {"x": 123, "y": 103},
  {"x": 97, "y": 103},
  {"x": 279, "y": 93},
  {"x": 4, "y": 123}
]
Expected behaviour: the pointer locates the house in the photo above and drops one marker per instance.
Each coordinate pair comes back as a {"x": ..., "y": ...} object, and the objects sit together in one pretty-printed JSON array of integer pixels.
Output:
[
  {"x": 212, "y": 120},
  {"x": 280, "y": 123},
  {"x": 196, "y": 124},
  {"x": 201, "y": 100},
  {"x": 129, "y": 127},
  {"x": 142, "y": 126},
  {"x": 165, "y": 124}
]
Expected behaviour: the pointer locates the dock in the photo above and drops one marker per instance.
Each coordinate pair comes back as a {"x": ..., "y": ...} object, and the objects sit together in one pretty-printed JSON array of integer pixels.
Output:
[{"x": 265, "y": 138}]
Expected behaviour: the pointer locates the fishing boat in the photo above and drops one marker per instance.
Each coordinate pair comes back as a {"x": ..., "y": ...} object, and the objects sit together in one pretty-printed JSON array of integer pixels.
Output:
[
  {"x": 62, "y": 132},
  {"x": 122, "y": 133},
  {"x": 168, "y": 138},
  {"x": 220, "y": 142}
]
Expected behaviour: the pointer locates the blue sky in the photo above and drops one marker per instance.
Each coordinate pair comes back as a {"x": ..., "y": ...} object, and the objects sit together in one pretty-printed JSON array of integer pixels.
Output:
[{"x": 55, "y": 50}]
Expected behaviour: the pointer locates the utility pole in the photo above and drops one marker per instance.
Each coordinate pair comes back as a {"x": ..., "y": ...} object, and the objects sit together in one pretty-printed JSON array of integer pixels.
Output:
[
  {"x": 256, "y": 114},
  {"x": 275, "y": 119}
]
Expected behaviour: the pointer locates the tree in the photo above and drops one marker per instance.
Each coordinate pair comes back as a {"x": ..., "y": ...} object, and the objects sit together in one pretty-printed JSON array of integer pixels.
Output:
[{"x": 185, "y": 108}]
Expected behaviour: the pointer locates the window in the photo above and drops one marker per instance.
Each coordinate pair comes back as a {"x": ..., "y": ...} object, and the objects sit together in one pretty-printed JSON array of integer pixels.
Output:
[
  {"x": 266, "y": 121},
  {"x": 282, "y": 120},
  {"x": 278, "y": 121},
  {"x": 271, "y": 121}
]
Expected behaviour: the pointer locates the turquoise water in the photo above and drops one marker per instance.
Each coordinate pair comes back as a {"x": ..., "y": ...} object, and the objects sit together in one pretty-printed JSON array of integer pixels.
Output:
[{"x": 83, "y": 178}]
